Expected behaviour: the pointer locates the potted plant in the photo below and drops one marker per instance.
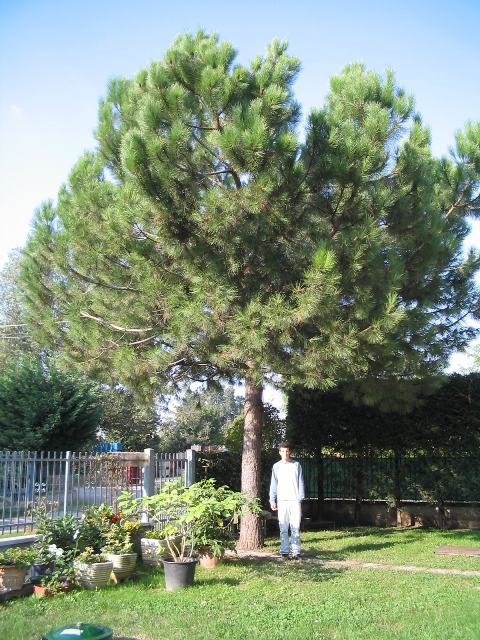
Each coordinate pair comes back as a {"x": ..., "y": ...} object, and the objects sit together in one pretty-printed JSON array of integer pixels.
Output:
[
  {"x": 55, "y": 531},
  {"x": 119, "y": 550},
  {"x": 55, "y": 536},
  {"x": 54, "y": 581},
  {"x": 215, "y": 530},
  {"x": 135, "y": 530},
  {"x": 92, "y": 569},
  {"x": 60, "y": 574},
  {"x": 153, "y": 547},
  {"x": 189, "y": 518},
  {"x": 94, "y": 525},
  {"x": 14, "y": 564}
]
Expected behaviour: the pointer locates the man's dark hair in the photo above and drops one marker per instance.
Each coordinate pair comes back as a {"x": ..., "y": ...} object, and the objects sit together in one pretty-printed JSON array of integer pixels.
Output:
[{"x": 284, "y": 445}]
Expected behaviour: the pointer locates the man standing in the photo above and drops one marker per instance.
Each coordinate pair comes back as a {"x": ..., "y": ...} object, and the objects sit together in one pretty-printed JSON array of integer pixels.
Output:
[{"x": 286, "y": 495}]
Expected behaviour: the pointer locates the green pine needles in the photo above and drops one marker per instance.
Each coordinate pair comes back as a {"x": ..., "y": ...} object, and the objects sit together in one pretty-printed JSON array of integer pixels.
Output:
[{"x": 202, "y": 240}]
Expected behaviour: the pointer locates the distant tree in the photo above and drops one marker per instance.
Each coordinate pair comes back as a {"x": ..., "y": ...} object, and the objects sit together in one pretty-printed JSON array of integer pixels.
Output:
[
  {"x": 128, "y": 420},
  {"x": 226, "y": 466},
  {"x": 202, "y": 417},
  {"x": 43, "y": 409},
  {"x": 14, "y": 334},
  {"x": 208, "y": 238}
]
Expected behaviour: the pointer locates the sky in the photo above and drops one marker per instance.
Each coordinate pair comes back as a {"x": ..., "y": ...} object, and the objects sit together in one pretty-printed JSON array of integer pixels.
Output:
[{"x": 56, "y": 58}]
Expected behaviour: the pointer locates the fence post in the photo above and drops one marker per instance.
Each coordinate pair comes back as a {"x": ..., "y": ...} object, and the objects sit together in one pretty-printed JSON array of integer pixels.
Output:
[
  {"x": 68, "y": 458},
  {"x": 149, "y": 473},
  {"x": 190, "y": 467},
  {"x": 148, "y": 479}
]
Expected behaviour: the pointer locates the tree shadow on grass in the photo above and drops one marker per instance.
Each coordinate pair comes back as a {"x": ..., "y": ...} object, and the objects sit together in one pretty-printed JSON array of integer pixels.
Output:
[
  {"x": 322, "y": 551},
  {"x": 346, "y": 552},
  {"x": 316, "y": 543},
  {"x": 347, "y": 532},
  {"x": 213, "y": 581},
  {"x": 299, "y": 570}
]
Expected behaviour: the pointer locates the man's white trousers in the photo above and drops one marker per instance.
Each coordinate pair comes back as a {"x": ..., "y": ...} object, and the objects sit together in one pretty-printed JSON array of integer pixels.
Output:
[{"x": 289, "y": 516}]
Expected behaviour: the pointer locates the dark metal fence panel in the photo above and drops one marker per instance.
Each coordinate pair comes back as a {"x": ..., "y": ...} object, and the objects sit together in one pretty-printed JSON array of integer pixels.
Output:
[{"x": 407, "y": 478}]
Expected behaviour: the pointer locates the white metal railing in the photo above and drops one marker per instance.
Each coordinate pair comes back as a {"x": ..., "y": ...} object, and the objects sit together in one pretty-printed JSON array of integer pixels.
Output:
[{"x": 64, "y": 483}]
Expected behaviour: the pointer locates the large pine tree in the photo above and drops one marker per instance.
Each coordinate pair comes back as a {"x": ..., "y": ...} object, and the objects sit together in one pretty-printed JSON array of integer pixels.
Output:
[{"x": 202, "y": 240}]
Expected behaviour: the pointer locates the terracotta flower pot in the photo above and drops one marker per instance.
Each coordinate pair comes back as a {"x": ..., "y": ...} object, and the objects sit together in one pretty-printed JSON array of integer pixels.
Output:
[
  {"x": 207, "y": 559},
  {"x": 12, "y": 578},
  {"x": 45, "y": 592}
]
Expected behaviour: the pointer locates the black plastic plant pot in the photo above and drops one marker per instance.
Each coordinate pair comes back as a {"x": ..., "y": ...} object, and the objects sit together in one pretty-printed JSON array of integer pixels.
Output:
[
  {"x": 37, "y": 570},
  {"x": 81, "y": 630},
  {"x": 179, "y": 575}
]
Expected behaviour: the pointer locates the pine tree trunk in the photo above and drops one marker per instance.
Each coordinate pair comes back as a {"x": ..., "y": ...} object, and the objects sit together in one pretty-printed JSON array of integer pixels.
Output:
[{"x": 251, "y": 534}]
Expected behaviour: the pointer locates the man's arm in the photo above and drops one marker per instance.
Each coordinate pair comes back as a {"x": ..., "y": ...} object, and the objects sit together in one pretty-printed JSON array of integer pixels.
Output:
[
  {"x": 273, "y": 490},
  {"x": 301, "y": 485}
]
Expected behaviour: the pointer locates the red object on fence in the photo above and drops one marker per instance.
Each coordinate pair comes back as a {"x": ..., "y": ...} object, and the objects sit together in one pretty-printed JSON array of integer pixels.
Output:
[{"x": 134, "y": 475}]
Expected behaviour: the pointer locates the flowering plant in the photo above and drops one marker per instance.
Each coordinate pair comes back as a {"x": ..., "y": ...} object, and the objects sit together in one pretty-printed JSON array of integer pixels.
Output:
[
  {"x": 117, "y": 541},
  {"x": 93, "y": 527},
  {"x": 54, "y": 531},
  {"x": 101, "y": 526},
  {"x": 58, "y": 579},
  {"x": 131, "y": 526},
  {"x": 89, "y": 556},
  {"x": 56, "y": 538},
  {"x": 61, "y": 567},
  {"x": 17, "y": 557}
]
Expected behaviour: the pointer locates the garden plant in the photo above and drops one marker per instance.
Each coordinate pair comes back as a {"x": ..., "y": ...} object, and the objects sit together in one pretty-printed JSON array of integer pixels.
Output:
[{"x": 331, "y": 593}]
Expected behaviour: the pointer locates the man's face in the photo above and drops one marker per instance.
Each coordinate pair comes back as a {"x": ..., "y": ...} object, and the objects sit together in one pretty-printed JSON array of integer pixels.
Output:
[{"x": 284, "y": 453}]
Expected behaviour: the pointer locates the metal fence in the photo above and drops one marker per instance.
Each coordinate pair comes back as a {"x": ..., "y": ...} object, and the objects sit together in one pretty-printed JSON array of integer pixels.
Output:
[
  {"x": 64, "y": 483},
  {"x": 409, "y": 478}
]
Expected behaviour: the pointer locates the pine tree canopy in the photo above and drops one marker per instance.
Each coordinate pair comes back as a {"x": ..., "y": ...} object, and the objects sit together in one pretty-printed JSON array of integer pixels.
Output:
[{"x": 203, "y": 240}]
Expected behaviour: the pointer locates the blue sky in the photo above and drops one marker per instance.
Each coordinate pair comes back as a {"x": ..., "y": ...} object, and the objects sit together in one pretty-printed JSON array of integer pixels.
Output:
[{"x": 56, "y": 57}]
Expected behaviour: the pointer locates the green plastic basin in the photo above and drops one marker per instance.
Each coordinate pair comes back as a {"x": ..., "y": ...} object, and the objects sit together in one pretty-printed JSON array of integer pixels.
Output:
[{"x": 80, "y": 630}]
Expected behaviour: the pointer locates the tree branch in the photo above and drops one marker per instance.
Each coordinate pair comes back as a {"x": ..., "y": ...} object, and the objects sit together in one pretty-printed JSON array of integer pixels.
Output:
[
  {"x": 101, "y": 284},
  {"x": 460, "y": 198},
  {"x": 84, "y": 314}
]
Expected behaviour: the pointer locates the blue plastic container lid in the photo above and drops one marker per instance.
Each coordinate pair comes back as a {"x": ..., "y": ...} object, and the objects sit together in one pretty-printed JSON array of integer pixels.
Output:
[{"x": 80, "y": 630}]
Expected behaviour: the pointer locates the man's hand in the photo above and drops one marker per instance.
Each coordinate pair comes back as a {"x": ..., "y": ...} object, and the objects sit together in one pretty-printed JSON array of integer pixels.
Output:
[{"x": 273, "y": 507}]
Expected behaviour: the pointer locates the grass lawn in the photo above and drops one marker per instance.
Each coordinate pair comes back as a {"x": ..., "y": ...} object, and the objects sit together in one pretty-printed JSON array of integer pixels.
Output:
[{"x": 266, "y": 599}]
